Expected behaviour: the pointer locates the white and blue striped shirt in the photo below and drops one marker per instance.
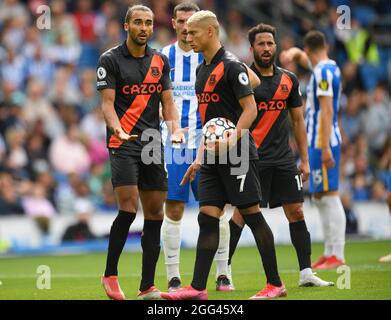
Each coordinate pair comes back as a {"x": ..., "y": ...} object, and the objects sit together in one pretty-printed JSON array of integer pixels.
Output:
[
  {"x": 325, "y": 81},
  {"x": 183, "y": 76}
]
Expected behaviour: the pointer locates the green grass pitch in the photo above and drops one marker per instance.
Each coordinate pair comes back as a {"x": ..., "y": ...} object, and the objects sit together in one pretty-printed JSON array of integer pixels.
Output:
[{"x": 78, "y": 277}]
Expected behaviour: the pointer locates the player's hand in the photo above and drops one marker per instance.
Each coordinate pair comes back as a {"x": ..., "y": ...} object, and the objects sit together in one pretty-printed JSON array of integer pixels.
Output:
[
  {"x": 304, "y": 168},
  {"x": 179, "y": 135},
  {"x": 191, "y": 172},
  {"x": 123, "y": 136},
  {"x": 327, "y": 158}
]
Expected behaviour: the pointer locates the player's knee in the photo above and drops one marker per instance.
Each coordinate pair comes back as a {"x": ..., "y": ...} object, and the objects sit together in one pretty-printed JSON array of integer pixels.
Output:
[
  {"x": 174, "y": 210},
  {"x": 297, "y": 214},
  {"x": 154, "y": 213},
  {"x": 128, "y": 204}
]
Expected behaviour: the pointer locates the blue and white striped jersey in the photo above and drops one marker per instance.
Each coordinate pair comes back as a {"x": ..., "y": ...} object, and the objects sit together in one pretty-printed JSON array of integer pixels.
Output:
[
  {"x": 325, "y": 81},
  {"x": 183, "y": 76}
]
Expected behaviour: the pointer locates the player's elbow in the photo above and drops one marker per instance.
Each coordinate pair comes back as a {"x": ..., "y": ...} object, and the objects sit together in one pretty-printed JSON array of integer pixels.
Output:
[{"x": 252, "y": 112}]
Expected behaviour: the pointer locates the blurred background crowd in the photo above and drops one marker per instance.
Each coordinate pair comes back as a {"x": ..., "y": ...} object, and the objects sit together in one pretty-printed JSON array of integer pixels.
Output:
[{"x": 52, "y": 133}]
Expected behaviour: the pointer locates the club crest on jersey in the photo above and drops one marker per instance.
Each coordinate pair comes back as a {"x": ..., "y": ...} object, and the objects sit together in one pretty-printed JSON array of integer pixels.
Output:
[
  {"x": 155, "y": 72},
  {"x": 284, "y": 88},
  {"x": 212, "y": 79}
]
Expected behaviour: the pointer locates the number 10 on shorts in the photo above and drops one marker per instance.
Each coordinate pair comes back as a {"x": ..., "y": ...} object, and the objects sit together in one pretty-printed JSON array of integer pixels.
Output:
[
  {"x": 299, "y": 181},
  {"x": 241, "y": 178}
]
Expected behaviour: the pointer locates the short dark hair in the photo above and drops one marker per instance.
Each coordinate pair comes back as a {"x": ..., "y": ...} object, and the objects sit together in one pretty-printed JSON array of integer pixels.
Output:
[
  {"x": 314, "y": 41},
  {"x": 137, "y": 7},
  {"x": 187, "y": 7},
  {"x": 260, "y": 28}
]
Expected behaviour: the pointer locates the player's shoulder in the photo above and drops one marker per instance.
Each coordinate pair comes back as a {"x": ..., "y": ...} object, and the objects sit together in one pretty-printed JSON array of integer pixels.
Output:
[
  {"x": 167, "y": 49},
  {"x": 289, "y": 73},
  {"x": 230, "y": 59},
  {"x": 111, "y": 53},
  {"x": 232, "y": 64},
  {"x": 326, "y": 65},
  {"x": 159, "y": 53}
]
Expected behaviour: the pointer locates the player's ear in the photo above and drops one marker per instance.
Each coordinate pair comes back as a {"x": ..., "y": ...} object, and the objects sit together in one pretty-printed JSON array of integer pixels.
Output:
[
  {"x": 126, "y": 26},
  {"x": 210, "y": 31},
  {"x": 173, "y": 23}
]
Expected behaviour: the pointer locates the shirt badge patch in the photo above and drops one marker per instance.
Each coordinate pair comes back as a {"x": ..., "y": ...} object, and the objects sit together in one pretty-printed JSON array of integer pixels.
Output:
[{"x": 324, "y": 85}]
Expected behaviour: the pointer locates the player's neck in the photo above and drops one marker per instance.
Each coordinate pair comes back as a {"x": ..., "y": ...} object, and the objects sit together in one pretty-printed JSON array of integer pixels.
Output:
[
  {"x": 135, "y": 49},
  {"x": 184, "y": 46},
  {"x": 318, "y": 57},
  {"x": 265, "y": 72},
  {"x": 211, "y": 51}
]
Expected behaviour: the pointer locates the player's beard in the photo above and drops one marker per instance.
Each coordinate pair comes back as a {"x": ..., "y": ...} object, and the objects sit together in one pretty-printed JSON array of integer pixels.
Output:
[
  {"x": 262, "y": 64},
  {"x": 139, "y": 42}
]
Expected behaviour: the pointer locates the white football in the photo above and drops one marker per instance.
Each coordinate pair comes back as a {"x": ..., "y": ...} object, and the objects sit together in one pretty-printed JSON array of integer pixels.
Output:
[{"x": 216, "y": 129}]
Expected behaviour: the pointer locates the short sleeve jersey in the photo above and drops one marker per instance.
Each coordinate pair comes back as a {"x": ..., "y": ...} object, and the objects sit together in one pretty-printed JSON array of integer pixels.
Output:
[
  {"x": 219, "y": 86},
  {"x": 138, "y": 83},
  {"x": 274, "y": 97}
]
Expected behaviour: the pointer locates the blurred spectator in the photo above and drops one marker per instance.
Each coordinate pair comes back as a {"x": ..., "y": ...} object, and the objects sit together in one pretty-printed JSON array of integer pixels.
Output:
[
  {"x": 2, "y": 151},
  {"x": 89, "y": 98},
  {"x": 67, "y": 153},
  {"x": 350, "y": 119},
  {"x": 80, "y": 231},
  {"x": 39, "y": 67},
  {"x": 379, "y": 191},
  {"x": 237, "y": 43},
  {"x": 163, "y": 10},
  {"x": 361, "y": 191},
  {"x": 351, "y": 219},
  {"x": 38, "y": 107},
  {"x": 37, "y": 206},
  {"x": 64, "y": 90},
  {"x": 10, "y": 201},
  {"x": 86, "y": 22},
  {"x": 376, "y": 120},
  {"x": 109, "y": 203},
  {"x": 13, "y": 69},
  {"x": 93, "y": 125},
  {"x": 17, "y": 159},
  {"x": 61, "y": 20}
]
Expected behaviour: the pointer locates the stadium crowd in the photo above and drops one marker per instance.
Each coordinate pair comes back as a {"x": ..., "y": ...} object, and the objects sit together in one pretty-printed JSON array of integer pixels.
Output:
[{"x": 52, "y": 132}]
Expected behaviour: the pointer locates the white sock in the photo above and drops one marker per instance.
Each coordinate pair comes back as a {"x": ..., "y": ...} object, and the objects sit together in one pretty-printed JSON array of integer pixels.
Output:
[
  {"x": 222, "y": 253},
  {"x": 324, "y": 218},
  {"x": 337, "y": 216},
  {"x": 171, "y": 239}
]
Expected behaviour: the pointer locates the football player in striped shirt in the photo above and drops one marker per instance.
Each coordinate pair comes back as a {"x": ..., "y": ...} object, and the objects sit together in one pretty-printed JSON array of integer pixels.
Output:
[
  {"x": 183, "y": 63},
  {"x": 324, "y": 142}
]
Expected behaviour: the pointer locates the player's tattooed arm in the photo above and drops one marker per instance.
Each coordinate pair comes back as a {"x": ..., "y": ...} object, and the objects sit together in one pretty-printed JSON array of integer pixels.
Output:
[
  {"x": 297, "y": 55},
  {"x": 254, "y": 79},
  {"x": 171, "y": 117},
  {"x": 111, "y": 118},
  {"x": 300, "y": 133}
]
